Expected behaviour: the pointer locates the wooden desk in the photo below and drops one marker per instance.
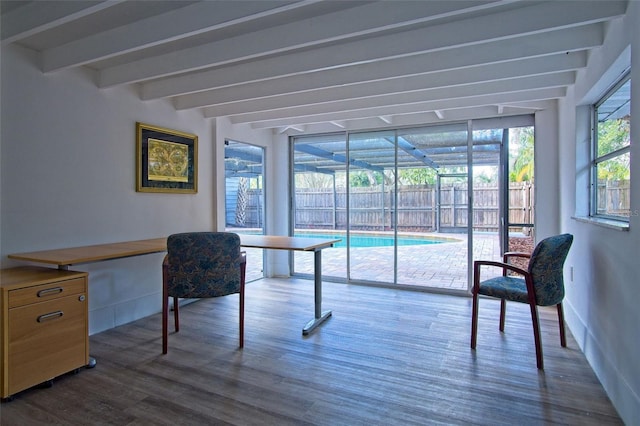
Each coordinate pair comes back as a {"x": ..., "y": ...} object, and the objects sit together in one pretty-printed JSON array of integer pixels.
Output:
[{"x": 66, "y": 257}]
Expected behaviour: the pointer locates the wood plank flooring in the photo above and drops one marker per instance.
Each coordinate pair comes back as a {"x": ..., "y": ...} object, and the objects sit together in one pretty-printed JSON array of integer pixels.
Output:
[{"x": 385, "y": 357}]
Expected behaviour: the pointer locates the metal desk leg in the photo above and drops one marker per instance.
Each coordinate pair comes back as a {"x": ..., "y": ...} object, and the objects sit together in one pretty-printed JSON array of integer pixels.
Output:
[{"x": 320, "y": 316}]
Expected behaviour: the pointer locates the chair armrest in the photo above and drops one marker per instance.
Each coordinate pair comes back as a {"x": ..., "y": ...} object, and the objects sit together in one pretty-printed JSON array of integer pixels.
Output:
[
  {"x": 509, "y": 254},
  {"x": 165, "y": 275},
  {"x": 243, "y": 270},
  {"x": 505, "y": 267}
]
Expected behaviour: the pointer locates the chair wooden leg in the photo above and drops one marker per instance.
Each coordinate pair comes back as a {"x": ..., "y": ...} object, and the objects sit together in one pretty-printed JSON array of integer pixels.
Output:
[
  {"x": 241, "y": 315},
  {"x": 165, "y": 303},
  {"x": 503, "y": 311},
  {"x": 165, "y": 315},
  {"x": 536, "y": 335},
  {"x": 474, "y": 321},
  {"x": 243, "y": 273},
  {"x": 176, "y": 313},
  {"x": 563, "y": 339}
]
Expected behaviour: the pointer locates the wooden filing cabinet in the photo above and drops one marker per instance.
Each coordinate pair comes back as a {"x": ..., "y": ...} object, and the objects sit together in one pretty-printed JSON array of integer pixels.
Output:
[{"x": 43, "y": 325}]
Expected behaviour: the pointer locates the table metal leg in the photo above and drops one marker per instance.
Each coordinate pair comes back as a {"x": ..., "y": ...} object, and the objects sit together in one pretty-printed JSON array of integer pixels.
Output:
[{"x": 320, "y": 316}]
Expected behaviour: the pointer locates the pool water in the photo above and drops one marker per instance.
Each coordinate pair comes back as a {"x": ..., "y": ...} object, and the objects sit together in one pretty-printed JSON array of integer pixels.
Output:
[{"x": 373, "y": 240}]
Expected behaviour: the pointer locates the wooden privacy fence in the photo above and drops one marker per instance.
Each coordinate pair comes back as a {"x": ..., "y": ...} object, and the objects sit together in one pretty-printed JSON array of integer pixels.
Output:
[
  {"x": 614, "y": 197},
  {"x": 418, "y": 209}
]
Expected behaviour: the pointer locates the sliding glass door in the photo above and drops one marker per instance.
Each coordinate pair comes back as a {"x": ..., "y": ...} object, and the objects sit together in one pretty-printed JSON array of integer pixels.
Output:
[
  {"x": 413, "y": 206},
  {"x": 372, "y": 215},
  {"x": 319, "y": 200}
]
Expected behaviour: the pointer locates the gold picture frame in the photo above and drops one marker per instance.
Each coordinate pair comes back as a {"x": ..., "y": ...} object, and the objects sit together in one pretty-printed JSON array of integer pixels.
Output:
[{"x": 166, "y": 160}]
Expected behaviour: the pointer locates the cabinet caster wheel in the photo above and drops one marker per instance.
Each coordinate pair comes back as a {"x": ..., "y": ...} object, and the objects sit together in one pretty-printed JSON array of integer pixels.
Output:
[
  {"x": 46, "y": 385},
  {"x": 92, "y": 362}
]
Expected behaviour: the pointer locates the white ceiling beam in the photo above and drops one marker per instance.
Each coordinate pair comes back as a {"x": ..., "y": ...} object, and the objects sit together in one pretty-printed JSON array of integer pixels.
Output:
[
  {"x": 424, "y": 118},
  {"x": 167, "y": 27},
  {"x": 287, "y": 128},
  {"x": 458, "y": 114},
  {"x": 286, "y": 105},
  {"x": 347, "y": 86},
  {"x": 409, "y": 85},
  {"x": 395, "y": 110},
  {"x": 499, "y": 26},
  {"x": 417, "y": 97},
  {"x": 37, "y": 16},
  {"x": 561, "y": 41},
  {"x": 332, "y": 27},
  {"x": 514, "y": 106}
]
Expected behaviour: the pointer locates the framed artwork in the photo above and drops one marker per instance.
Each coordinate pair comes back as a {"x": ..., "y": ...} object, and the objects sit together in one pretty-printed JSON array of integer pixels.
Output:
[{"x": 166, "y": 160}]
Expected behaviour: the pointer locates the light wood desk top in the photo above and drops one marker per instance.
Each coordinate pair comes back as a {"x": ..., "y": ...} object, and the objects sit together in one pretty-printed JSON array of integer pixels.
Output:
[
  {"x": 277, "y": 242},
  {"x": 95, "y": 253}
]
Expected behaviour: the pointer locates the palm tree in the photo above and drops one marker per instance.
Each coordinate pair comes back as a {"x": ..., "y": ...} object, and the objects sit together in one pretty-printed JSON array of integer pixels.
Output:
[
  {"x": 523, "y": 165},
  {"x": 241, "y": 205}
]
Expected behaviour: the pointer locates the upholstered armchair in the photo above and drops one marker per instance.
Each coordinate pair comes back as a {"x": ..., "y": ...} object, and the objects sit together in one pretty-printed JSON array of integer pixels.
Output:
[
  {"x": 198, "y": 265},
  {"x": 542, "y": 284}
]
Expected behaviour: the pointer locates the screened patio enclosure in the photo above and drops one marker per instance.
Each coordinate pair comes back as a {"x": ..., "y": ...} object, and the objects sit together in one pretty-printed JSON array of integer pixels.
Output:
[
  {"x": 400, "y": 200},
  {"x": 381, "y": 160},
  {"x": 413, "y": 207}
]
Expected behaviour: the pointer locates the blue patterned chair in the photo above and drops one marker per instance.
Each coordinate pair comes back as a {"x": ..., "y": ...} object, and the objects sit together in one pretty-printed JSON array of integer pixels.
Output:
[
  {"x": 198, "y": 265},
  {"x": 542, "y": 284}
]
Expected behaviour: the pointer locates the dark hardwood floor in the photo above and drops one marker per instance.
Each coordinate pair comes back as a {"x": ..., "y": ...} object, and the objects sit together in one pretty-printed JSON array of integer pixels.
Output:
[{"x": 385, "y": 357}]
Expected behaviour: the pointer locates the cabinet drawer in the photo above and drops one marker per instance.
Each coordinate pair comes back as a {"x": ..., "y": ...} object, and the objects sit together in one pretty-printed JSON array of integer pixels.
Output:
[
  {"x": 40, "y": 293},
  {"x": 46, "y": 340}
]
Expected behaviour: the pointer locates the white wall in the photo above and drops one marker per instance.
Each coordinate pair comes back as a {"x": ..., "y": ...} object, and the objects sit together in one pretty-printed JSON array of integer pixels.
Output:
[
  {"x": 278, "y": 202},
  {"x": 68, "y": 179},
  {"x": 601, "y": 302},
  {"x": 547, "y": 205}
]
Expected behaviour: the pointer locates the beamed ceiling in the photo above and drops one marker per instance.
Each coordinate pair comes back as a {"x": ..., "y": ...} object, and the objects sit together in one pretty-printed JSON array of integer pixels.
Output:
[{"x": 316, "y": 66}]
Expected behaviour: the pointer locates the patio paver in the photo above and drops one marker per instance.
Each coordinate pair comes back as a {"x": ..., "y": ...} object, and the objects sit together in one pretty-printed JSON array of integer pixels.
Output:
[{"x": 441, "y": 266}]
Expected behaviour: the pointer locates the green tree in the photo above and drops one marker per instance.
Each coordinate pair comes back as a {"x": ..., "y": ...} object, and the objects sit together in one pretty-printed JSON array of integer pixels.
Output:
[
  {"x": 366, "y": 178},
  {"x": 417, "y": 176},
  {"x": 612, "y": 136}
]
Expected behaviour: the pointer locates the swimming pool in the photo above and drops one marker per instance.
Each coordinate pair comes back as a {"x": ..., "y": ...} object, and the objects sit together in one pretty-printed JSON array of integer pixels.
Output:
[{"x": 374, "y": 240}]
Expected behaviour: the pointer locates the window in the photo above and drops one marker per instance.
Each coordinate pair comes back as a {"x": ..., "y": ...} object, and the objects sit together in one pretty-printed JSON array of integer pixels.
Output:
[{"x": 610, "y": 164}]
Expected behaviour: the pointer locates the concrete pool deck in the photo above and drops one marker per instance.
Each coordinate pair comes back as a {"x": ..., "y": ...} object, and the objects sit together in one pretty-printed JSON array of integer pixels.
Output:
[{"x": 437, "y": 266}]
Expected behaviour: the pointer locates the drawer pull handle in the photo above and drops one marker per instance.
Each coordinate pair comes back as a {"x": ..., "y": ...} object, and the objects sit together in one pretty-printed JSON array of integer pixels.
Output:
[
  {"x": 49, "y": 291},
  {"x": 50, "y": 316}
]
